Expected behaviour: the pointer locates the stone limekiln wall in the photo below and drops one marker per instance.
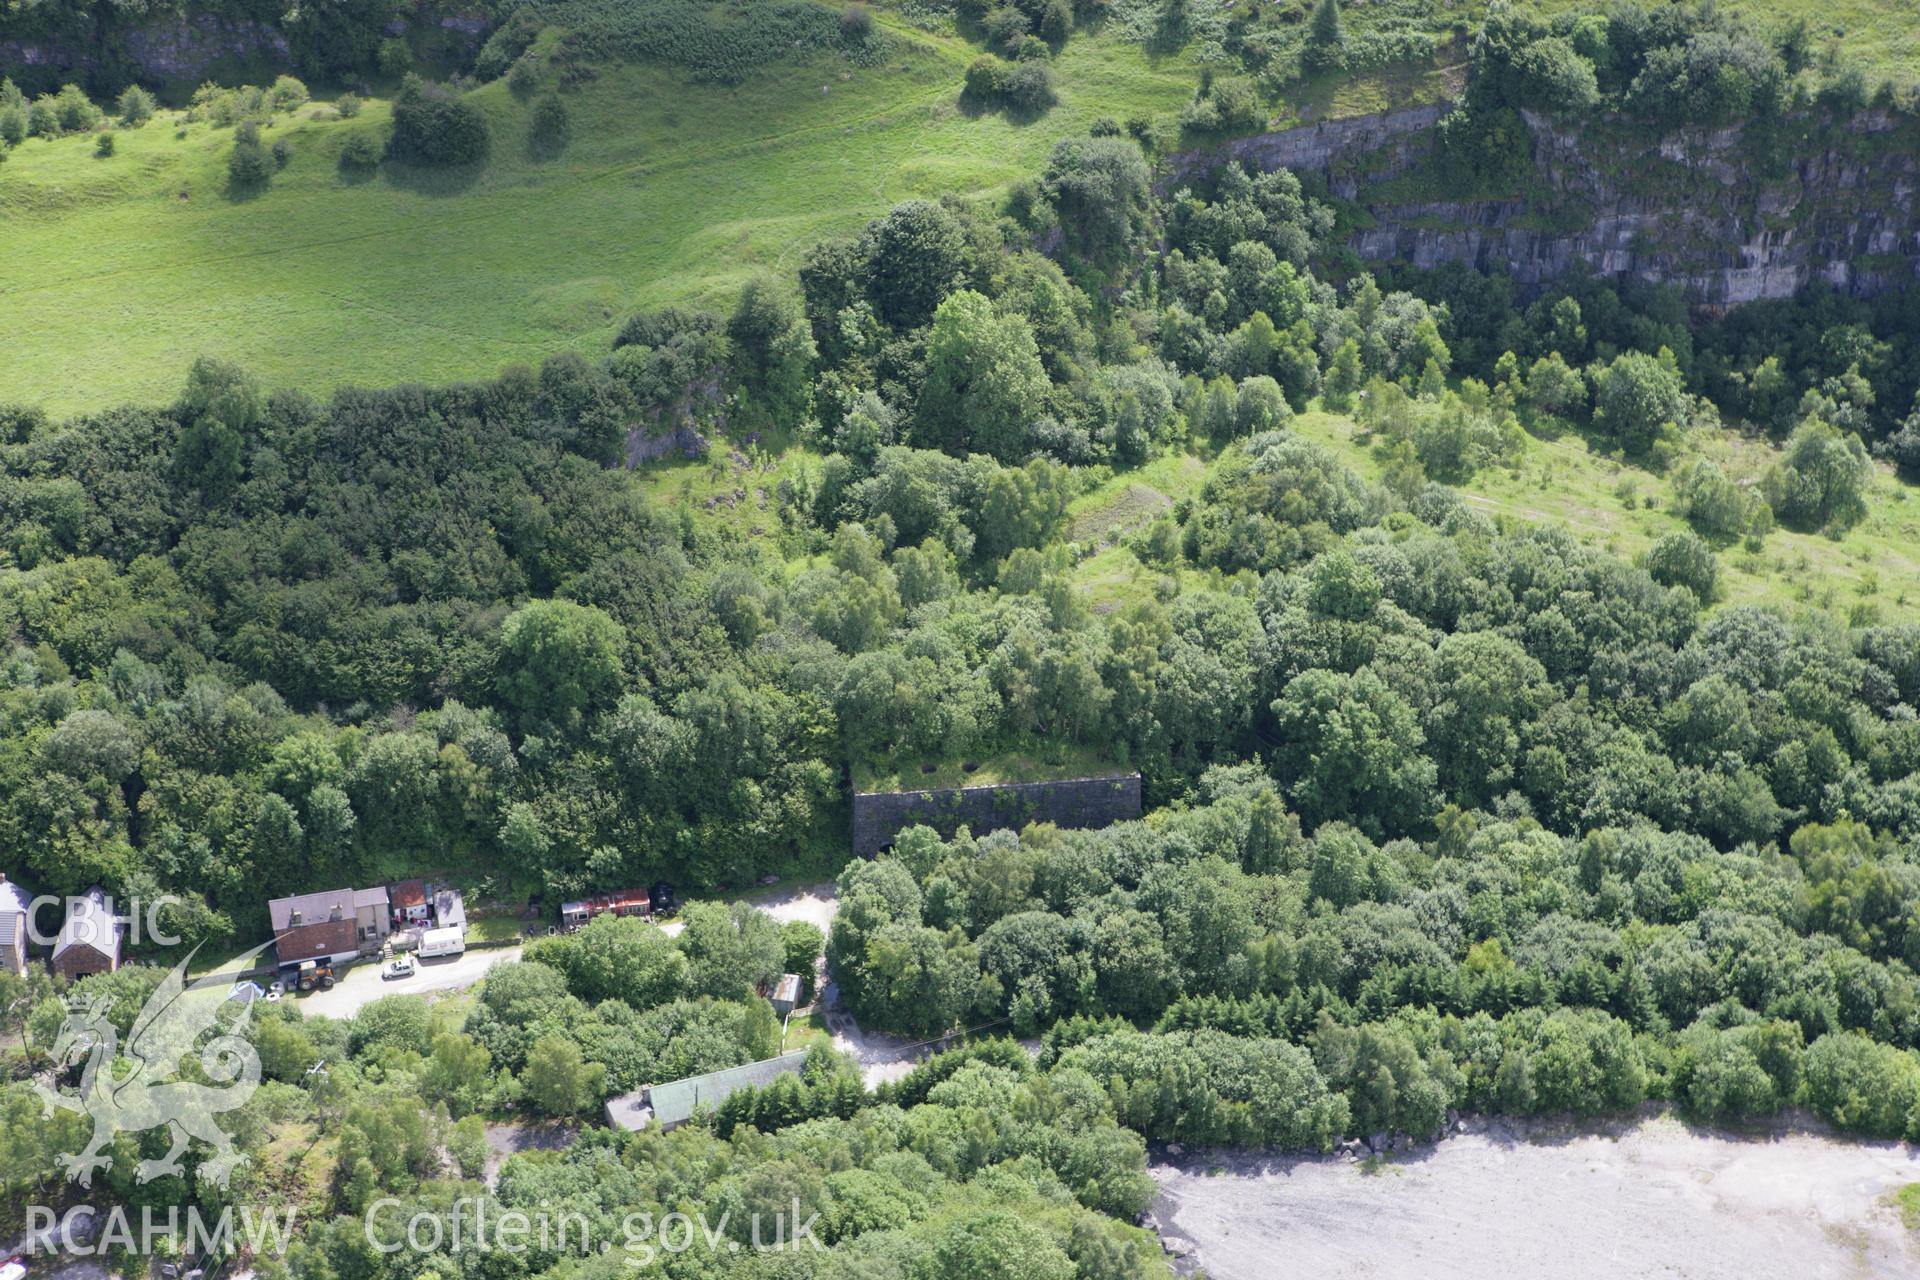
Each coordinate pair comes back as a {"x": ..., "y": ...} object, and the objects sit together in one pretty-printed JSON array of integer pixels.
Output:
[{"x": 878, "y": 816}]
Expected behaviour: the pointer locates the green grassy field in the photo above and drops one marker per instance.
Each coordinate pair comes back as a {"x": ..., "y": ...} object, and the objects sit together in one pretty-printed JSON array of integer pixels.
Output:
[
  {"x": 119, "y": 271},
  {"x": 1611, "y": 504},
  {"x": 1102, "y": 520},
  {"x": 1623, "y": 509},
  {"x": 1882, "y": 36},
  {"x": 1124, "y": 502}
]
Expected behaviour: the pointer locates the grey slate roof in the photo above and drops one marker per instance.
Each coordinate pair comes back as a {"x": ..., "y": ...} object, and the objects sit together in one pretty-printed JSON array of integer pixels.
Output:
[
  {"x": 90, "y": 923},
  {"x": 313, "y": 908},
  {"x": 449, "y": 908},
  {"x": 14, "y": 902}
]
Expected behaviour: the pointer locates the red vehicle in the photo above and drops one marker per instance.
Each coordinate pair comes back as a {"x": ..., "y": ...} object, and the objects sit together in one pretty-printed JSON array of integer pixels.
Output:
[{"x": 623, "y": 902}]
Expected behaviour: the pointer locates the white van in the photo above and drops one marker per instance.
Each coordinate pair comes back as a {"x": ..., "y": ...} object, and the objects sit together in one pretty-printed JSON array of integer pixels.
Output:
[{"x": 442, "y": 942}]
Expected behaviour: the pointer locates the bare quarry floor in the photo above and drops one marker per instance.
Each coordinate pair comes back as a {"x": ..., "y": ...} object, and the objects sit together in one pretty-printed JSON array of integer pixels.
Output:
[{"x": 1652, "y": 1198}]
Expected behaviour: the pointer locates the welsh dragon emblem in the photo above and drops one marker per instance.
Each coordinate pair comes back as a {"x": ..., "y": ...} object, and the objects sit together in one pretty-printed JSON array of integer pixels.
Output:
[{"x": 139, "y": 1086}]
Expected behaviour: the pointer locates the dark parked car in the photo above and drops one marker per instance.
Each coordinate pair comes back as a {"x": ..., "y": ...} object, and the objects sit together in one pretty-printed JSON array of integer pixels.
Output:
[{"x": 664, "y": 903}]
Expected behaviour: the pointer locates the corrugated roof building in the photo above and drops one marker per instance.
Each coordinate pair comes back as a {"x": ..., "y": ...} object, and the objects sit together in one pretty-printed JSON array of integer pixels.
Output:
[{"x": 671, "y": 1104}]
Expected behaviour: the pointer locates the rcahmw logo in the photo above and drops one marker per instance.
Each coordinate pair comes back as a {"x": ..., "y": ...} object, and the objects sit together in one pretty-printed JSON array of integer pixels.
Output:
[
  {"x": 178, "y": 1020},
  {"x": 151, "y": 1231}
]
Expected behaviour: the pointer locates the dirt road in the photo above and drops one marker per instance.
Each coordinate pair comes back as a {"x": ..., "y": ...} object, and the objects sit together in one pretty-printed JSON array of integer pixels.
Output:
[
  {"x": 362, "y": 983},
  {"x": 1649, "y": 1199}
]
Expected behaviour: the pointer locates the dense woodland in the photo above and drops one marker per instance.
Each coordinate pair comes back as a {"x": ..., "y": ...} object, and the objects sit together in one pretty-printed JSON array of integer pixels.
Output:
[{"x": 1448, "y": 814}]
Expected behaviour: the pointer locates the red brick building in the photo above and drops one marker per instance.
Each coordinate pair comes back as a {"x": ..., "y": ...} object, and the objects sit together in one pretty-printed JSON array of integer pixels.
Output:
[
  {"x": 333, "y": 924},
  {"x": 89, "y": 941}
]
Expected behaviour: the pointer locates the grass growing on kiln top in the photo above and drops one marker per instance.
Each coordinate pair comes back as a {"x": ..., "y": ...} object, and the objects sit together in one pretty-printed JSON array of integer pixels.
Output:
[
  {"x": 1044, "y": 760},
  {"x": 119, "y": 271}
]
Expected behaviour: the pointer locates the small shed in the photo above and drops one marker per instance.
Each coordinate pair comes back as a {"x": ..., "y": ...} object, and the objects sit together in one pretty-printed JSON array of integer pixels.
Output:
[
  {"x": 89, "y": 941},
  {"x": 409, "y": 901},
  {"x": 449, "y": 909},
  {"x": 786, "y": 994}
]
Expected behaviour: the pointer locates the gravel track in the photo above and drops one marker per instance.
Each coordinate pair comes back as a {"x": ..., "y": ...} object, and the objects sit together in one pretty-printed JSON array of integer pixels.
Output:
[{"x": 1651, "y": 1198}]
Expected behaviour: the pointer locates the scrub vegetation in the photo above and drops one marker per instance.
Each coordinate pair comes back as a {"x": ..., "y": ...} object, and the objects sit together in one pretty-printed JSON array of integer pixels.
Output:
[{"x": 589, "y": 465}]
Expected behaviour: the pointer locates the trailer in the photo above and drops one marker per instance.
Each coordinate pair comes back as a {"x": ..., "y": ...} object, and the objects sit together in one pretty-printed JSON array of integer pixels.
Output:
[
  {"x": 624, "y": 902},
  {"x": 435, "y": 943}
]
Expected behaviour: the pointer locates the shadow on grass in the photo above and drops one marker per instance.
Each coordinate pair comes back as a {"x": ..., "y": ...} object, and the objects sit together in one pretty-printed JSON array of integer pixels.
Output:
[
  {"x": 1548, "y": 427},
  {"x": 1171, "y": 33},
  {"x": 549, "y": 142},
  {"x": 1024, "y": 116},
  {"x": 427, "y": 180},
  {"x": 973, "y": 106}
]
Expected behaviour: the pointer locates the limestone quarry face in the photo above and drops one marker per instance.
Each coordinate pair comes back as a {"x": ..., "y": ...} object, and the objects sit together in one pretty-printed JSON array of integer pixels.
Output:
[
  {"x": 184, "y": 48},
  {"x": 1727, "y": 214}
]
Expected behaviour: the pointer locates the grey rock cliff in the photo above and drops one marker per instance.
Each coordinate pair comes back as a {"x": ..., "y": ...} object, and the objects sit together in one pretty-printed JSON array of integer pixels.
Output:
[
  {"x": 186, "y": 48},
  {"x": 1727, "y": 216}
]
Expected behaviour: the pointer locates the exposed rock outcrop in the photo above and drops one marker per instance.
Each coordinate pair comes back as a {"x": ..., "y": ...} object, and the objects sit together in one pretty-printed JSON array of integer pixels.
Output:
[
  {"x": 184, "y": 49},
  {"x": 643, "y": 446},
  {"x": 1401, "y": 135},
  {"x": 181, "y": 49},
  {"x": 1729, "y": 216}
]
